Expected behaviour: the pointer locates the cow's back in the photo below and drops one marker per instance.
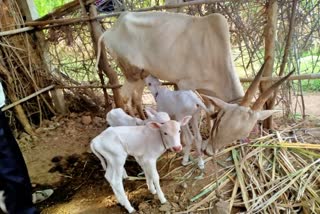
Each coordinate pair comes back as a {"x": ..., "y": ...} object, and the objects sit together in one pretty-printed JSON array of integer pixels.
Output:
[{"x": 178, "y": 47}]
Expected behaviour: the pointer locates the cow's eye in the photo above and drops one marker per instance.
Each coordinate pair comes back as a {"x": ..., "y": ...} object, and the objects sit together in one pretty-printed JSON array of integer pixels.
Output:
[
  {"x": 165, "y": 133},
  {"x": 179, "y": 131},
  {"x": 149, "y": 84}
]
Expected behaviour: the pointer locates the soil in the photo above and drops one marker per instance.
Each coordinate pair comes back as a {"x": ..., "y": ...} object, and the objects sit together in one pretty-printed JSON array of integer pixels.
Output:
[{"x": 58, "y": 157}]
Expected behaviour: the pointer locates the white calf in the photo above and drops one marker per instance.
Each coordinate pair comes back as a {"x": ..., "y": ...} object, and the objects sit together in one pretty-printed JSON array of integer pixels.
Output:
[
  {"x": 145, "y": 143},
  {"x": 117, "y": 117},
  {"x": 179, "y": 104}
]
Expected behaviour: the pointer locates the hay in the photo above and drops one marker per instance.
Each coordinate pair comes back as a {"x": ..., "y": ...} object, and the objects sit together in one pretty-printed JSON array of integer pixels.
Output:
[{"x": 273, "y": 174}]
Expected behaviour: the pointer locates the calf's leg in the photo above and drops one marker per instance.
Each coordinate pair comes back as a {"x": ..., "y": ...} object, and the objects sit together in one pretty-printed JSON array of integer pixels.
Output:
[
  {"x": 150, "y": 184},
  {"x": 198, "y": 139},
  {"x": 187, "y": 138},
  {"x": 151, "y": 169}
]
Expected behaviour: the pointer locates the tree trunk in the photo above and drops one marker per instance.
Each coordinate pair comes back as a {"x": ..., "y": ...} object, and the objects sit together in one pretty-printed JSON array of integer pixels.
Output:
[{"x": 270, "y": 36}]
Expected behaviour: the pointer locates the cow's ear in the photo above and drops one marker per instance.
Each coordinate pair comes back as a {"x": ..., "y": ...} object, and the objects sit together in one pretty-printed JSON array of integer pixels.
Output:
[
  {"x": 262, "y": 115},
  {"x": 185, "y": 120},
  {"x": 150, "y": 112},
  {"x": 154, "y": 125},
  {"x": 217, "y": 102}
]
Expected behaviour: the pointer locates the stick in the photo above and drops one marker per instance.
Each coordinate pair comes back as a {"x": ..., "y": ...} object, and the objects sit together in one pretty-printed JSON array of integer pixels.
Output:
[
  {"x": 296, "y": 77},
  {"x": 60, "y": 22},
  {"x": 90, "y": 86},
  {"x": 28, "y": 97},
  {"x": 16, "y": 31}
]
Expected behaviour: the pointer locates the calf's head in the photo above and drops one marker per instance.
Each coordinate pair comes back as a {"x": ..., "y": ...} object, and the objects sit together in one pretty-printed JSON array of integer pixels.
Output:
[
  {"x": 153, "y": 83},
  {"x": 170, "y": 132},
  {"x": 153, "y": 115},
  {"x": 235, "y": 121}
]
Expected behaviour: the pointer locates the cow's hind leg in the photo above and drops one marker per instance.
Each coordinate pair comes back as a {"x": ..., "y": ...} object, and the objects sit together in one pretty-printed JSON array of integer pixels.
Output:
[{"x": 137, "y": 99}]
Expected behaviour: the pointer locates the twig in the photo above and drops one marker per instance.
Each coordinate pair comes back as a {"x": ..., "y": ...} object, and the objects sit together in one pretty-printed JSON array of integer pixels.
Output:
[{"x": 28, "y": 97}]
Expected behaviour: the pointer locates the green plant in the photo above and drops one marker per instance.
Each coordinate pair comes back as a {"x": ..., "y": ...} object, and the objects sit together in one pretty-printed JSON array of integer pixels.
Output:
[{"x": 45, "y": 7}]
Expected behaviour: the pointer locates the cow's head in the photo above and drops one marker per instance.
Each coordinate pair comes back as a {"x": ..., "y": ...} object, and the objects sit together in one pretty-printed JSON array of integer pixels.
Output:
[{"x": 235, "y": 121}]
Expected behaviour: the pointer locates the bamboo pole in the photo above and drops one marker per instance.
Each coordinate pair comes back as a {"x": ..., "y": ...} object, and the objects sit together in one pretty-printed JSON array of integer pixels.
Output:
[
  {"x": 16, "y": 31},
  {"x": 270, "y": 41},
  {"x": 272, "y": 100},
  {"x": 91, "y": 86},
  {"x": 295, "y": 77},
  {"x": 38, "y": 25},
  {"x": 28, "y": 97}
]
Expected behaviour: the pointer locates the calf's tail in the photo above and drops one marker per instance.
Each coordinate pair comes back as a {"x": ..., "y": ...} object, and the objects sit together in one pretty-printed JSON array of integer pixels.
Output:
[{"x": 96, "y": 152}]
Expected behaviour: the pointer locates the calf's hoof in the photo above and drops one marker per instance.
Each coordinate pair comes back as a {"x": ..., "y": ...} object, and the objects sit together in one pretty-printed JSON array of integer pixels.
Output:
[
  {"x": 201, "y": 165},
  {"x": 163, "y": 201},
  {"x": 153, "y": 191},
  {"x": 185, "y": 162},
  {"x": 131, "y": 210}
]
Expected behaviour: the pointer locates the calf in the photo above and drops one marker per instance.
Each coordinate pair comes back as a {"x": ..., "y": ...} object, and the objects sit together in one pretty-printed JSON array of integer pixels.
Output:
[
  {"x": 178, "y": 104},
  {"x": 117, "y": 117},
  {"x": 145, "y": 143}
]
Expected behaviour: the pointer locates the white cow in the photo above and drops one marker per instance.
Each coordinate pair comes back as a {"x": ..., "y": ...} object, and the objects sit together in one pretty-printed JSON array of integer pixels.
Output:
[
  {"x": 193, "y": 52},
  {"x": 118, "y": 117},
  {"x": 145, "y": 143},
  {"x": 179, "y": 104}
]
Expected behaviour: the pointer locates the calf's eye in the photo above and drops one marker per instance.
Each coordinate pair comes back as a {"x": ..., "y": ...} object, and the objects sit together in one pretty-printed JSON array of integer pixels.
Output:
[
  {"x": 165, "y": 133},
  {"x": 179, "y": 131},
  {"x": 149, "y": 84}
]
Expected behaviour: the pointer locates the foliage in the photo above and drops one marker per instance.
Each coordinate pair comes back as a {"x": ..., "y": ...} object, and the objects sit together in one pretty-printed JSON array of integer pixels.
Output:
[{"x": 45, "y": 7}]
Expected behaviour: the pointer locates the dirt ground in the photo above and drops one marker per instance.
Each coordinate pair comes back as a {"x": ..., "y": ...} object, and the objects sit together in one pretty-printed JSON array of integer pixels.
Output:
[{"x": 58, "y": 157}]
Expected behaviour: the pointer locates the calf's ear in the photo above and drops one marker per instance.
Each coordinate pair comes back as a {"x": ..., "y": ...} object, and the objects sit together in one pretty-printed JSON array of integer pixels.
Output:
[
  {"x": 154, "y": 125},
  {"x": 139, "y": 121},
  {"x": 185, "y": 120},
  {"x": 150, "y": 112}
]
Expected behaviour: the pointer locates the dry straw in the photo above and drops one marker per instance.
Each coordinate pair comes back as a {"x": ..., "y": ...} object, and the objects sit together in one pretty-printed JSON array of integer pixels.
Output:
[{"x": 270, "y": 175}]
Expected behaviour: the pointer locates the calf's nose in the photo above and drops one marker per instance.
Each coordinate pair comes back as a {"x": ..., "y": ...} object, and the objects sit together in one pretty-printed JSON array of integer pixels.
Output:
[{"x": 177, "y": 148}]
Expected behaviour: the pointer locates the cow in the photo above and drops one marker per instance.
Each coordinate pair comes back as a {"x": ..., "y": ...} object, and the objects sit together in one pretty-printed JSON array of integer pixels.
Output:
[{"x": 193, "y": 52}]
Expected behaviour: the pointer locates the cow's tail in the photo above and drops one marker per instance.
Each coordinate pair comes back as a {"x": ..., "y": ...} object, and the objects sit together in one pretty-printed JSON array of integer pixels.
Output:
[
  {"x": 99, "y": 50},
  {"x": 101, "y": 158}
]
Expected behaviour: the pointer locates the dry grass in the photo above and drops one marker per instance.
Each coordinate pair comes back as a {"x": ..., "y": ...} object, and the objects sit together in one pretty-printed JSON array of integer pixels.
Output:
[{"x": 272, "y": 174}]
